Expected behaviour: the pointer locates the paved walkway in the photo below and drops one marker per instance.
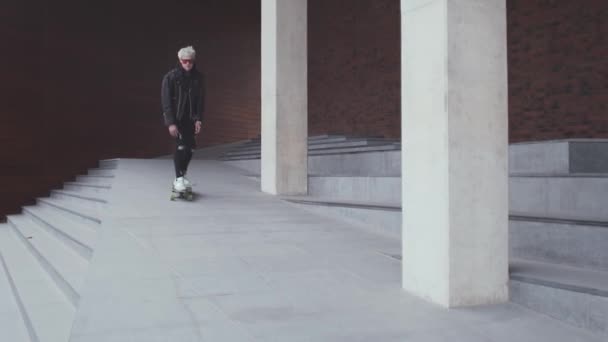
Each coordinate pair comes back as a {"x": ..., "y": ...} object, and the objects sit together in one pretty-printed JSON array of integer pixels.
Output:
[{"x": 239, "y": 265}]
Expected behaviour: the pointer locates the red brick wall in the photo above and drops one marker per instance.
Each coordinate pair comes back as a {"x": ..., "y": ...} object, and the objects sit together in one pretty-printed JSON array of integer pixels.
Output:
[
  {"x": 232, "y": 65},
  {"x": 557, "y": 55},
  {"x": 354, "y": 67},
  {"x": 558, "y": 69}
]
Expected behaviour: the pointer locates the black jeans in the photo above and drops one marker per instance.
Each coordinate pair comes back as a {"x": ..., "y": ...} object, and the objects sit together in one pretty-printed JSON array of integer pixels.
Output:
[{"x": 185, "y": 144}]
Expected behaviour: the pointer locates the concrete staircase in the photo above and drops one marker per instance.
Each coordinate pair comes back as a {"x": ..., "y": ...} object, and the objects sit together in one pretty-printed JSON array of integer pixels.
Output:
[
  {"x": 360, "y": 183},
  {"x": 558, "y": 214},
  {"x": 44, "y": 256},
  {"x": 559, "y": 230},
  {"x": 331, "y": 155}
]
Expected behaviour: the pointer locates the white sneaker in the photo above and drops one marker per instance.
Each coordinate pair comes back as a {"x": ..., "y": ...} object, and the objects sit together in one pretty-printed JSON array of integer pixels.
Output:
[
  {"x": 187, "y": 183},
  {"x": 178, "y": 184}
]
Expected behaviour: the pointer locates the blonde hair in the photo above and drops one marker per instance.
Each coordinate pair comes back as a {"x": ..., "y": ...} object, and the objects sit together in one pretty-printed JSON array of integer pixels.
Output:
[{"x": 186, "y": 53}]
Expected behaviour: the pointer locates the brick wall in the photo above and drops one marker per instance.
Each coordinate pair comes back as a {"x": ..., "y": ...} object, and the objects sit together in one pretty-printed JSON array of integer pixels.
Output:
[
  {"x": 557, "y": 55},
  {"x": 558, "y": 69},
  {"x": 354, "y": 67}
]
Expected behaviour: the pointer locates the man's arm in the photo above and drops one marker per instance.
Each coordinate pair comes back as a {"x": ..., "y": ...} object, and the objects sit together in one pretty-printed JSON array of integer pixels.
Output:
[
  {"x": 166, "y": 97},
  {"x": 200, "y": 103}
]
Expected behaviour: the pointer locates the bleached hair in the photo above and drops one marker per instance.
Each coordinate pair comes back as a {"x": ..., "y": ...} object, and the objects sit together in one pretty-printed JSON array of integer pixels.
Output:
[{"x": 186, "y": 53}]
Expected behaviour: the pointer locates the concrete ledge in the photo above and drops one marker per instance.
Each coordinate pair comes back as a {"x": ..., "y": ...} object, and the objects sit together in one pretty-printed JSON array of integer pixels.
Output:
[
  {"x": 360, "y": 188},
  {"x": 560, "y": 196},
  {"x": 316, "y": 147},
  {"x": 560, "y": 156},
  {"x": 327, "y": 151},
  {"x": 573, "y": 220},
  {"x": 378, "y": 163},
  {"x": 345, "y": 204},
  {"x": 378, "y": 218},
  {"x": 576, "y": 296},
  {"x": 561, "y": 277}
]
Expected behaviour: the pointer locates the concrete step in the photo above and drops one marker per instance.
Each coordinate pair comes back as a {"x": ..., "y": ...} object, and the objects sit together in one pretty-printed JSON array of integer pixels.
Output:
[
  {"x": 573, "y": 295},
  {"x": 251, "y": 166},
  {"x": 95, "y": 202},
  {"x": 560, "y": 156},
  {"x": 100, "y": 172},
  {"x": 108, "y": 163},
  {"x": 319, "y": 144},
  {"x": 257, "y": 142},
  {"x": 312, "y": 147},
  {"x": 347, "y": 188},
  {"x": 86, "y": 188},
  {"x": 329, "y": 141},
  {"x": 77, "y": 234},
  {"x": 62, "y": 263},
  {"x": 560, "y": 195},
  {"x": 320, "y": 137},
  {"x": 330, "y": 151},
  {"x": 363, "y": 189},
  {"x": 99, "y": 180},
  {"x": 47, "y": 314},
  {"x": 567, "y": 241},
  {"x": 372, "y": 163},
  {"x": 334, "y": 139},
  {"x": 324, "y": 136},
  {"x": 73, "y": 210},
  {"x": 550, "y": 157},
  {"x": 375, "y": 163},
  {"x": 12, "y": 326},
  {"x": 381, "y": 218}
]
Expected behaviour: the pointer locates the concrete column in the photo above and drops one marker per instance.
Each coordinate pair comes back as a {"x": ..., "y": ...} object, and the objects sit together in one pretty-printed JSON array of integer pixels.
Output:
[
  {"x": 284, "y": 97},
  {"x": 455, "y": 143}
]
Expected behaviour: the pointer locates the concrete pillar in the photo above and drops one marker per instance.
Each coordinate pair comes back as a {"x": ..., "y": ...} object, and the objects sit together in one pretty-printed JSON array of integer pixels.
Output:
[
  {"x": 455, "y": 143},
  {"x": 284, "y": 97}
]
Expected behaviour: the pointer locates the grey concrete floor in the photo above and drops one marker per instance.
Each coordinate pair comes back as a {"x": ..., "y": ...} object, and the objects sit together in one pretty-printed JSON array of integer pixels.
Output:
[{"x": 239, "y": 265}]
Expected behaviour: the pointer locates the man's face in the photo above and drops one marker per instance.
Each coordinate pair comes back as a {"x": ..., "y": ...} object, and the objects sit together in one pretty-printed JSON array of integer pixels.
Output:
[{"x": 187, "y": 63}]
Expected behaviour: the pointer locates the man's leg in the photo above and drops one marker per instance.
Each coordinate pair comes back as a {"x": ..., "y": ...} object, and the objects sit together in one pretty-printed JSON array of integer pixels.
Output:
[
  {"x": 189, "y": 151},
  {"x": 181, "y": 159},
  {"x": 183, "y": 152},
  {"x": 189, "y": 143}
]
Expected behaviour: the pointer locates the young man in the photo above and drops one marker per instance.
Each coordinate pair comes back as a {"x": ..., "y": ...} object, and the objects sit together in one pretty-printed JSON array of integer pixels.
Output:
[{"x": 182, "y": 95}]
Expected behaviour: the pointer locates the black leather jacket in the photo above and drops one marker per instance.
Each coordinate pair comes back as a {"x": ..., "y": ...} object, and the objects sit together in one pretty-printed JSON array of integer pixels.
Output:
[{"x": 182, "y": 93}]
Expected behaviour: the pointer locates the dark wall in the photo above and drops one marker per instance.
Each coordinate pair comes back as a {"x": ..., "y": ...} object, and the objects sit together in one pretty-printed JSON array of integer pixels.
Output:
[
  {"x": 81, "y": 82},
  {"x": 22, "y": 133},
  {"x": 557, "y": 56},
  {"x": 558, "y": 69},
  {"x": 354, "y": 67}
]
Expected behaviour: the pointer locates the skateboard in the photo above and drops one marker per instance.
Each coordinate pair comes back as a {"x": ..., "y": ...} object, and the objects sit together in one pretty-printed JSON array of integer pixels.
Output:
[{"x": 187, "y": 194}]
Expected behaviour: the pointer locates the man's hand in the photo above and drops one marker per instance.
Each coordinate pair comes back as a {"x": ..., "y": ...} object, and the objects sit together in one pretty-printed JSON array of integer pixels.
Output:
[
  {"x": 173, "y": 131},
  {"x": 197, "y": 127}
]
